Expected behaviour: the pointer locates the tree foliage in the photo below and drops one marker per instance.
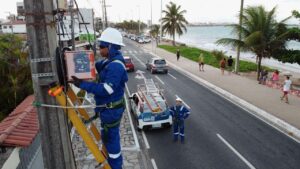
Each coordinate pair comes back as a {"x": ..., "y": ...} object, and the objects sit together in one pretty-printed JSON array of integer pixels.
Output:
[
  {"x": 131, "y": 26},
  {"x": 174, "y": 20},
  {"x": 154, "y": 31},
  {"x": 15, "y": 73},
  {"x": 262, "y": 34},
  {"x": 296, "y": 14}
]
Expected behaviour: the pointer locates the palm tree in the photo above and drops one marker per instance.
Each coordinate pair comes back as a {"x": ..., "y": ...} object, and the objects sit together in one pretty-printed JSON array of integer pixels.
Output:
[
  {"x": 174, "y": 21},
  {"x": 260, "y": 33},
  {"x": 154, "y": 32}
]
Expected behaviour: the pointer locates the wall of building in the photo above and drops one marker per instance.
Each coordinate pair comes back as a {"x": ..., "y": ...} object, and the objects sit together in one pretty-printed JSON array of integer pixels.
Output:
[{"x": 20, "y": 28}]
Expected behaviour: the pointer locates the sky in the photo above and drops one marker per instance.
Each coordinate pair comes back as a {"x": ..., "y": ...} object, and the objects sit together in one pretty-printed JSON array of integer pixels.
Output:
[{"x": 215, "y": 11}]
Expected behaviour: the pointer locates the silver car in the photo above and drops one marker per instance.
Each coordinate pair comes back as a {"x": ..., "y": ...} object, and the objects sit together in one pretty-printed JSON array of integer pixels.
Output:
[{"x": 157, "y": 65}]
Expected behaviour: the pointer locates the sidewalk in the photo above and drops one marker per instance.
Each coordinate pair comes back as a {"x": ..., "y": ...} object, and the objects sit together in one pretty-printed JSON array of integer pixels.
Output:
[
  {"x": 264, "y": 98},
  {"x": 132, "y": 155}
]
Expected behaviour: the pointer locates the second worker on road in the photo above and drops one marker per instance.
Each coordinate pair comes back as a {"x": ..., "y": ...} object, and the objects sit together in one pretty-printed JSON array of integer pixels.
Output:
[{"x": 179, "y": 113}]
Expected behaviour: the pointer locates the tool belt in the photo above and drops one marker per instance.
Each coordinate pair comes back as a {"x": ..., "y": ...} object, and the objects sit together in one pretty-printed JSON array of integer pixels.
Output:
[{"x": 117, "y": 104}]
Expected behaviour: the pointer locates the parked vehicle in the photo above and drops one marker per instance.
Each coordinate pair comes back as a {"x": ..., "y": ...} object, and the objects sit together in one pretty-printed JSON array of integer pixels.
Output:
[
  {"x": 147, "y": 39},
  {"x": 132, "y": 37},
  {"x": 129, "y": 64},
  {"x": 140, "y": 40},
  {"x": 149, "y": 107},
  {"x": 157, "y": 65}
]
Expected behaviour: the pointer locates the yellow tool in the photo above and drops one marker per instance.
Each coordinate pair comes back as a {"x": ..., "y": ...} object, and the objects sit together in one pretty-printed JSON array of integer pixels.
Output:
[{"x": 63, "y": 100}]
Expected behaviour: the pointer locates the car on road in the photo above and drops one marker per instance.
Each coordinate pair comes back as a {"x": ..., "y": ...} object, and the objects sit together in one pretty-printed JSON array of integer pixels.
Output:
[
  {"x": 157, "y": 65},
  {"x": 129, "y": 64},
  {"x": 140, "y": 40},
  {"x": 147, "y": 39},
  {"x": 149, "y": 107}
]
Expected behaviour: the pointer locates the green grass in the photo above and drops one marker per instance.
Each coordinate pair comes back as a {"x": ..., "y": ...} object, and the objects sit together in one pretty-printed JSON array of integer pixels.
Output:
[{"x": 209, "y": 59}]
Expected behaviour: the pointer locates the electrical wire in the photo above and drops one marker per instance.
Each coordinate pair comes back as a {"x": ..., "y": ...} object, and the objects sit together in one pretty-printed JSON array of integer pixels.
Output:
[
  {"x": 37, "y": 104},
  {"x": 60, "y": 17}
]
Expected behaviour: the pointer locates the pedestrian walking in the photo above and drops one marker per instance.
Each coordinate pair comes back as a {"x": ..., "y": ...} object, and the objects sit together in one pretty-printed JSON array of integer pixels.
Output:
[
  {"x": 263, "y": 76},
  {"x": 223, "y": 65},
  {"x": 229, "y": 64},
  {"x": 275, "y": 76},
  {"x": 109, "y": 92},
  {"x": 201, "y": 62},
  {"x": 286, "y": 88},
  {"x": 178, "y": 54},
  {"x": 179, "y": 113}
]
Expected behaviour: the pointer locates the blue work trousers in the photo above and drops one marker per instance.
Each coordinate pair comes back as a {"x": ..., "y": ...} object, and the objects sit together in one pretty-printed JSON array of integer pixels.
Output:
[
  {"x": 111, "y": 140},
  {"x": 178, "y": 129}
]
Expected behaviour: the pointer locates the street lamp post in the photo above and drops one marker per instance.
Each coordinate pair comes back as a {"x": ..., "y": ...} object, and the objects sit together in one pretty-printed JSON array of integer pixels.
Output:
[{"x": 139, "y": 20}]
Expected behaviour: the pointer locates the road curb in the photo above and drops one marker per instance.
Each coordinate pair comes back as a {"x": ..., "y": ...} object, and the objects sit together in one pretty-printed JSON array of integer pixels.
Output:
[{"x": 275, "y": 122}]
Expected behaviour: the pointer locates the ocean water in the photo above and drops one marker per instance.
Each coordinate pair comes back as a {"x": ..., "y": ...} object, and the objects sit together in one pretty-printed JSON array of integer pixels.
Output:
[{"x": 205, "y": 37}]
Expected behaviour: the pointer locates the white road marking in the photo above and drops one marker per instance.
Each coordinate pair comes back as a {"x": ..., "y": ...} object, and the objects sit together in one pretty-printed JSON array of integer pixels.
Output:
[
  {"x": 172, "y": 76},
  {"x": 236, "y": 152},
  {"x": 130, "y": 51},
  {"x": 137, "y": 147},
  {"x": 145, "y": 139},
  {"x": 143, "y": 64},
  {"x": 184, "y": 103},
  {"x": 159, "y": 80},
  {"x": 135, "y": 51},
  {"x": 153, "y": 163}
]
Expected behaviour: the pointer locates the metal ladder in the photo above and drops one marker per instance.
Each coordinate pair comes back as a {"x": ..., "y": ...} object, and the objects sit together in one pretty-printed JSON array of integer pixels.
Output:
[
  {"x": 149, "y": 89},
  {"x": 69, "y": 98}
]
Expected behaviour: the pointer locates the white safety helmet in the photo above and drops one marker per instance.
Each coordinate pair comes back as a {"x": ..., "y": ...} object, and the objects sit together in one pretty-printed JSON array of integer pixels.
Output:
[
  {"x": 112, "y": 36},
  {"x": 178, "y": 99}
]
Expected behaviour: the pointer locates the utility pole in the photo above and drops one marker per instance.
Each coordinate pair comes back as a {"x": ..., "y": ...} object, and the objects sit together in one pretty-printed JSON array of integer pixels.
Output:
[
  {"x": 95, "y": 44},
  {"x": 42, "y": 40},
  {"x": 237, "y": 62},
  {"x": 105, "y": 14},
  {"x": 151, "y": 14},
  {"x": 161, "y": 34},
  {"x": 72, "y": 24},
  {"x": 139, "y": 20}
]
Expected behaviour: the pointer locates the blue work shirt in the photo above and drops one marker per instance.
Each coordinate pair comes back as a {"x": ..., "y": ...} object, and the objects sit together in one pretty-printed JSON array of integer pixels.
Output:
[{"x": 111, "y": 83}]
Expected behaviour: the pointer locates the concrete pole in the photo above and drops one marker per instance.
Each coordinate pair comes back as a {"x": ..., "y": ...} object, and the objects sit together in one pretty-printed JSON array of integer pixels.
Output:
[
  {"x": 72, "y": 24},
  {"x": 106, "y": 24},
  {"x": 237, "y": 62},
  {"x": 139, "y": 20},
  {"x": 42, "y": 40},
  {"x": 103, "y": 15}
]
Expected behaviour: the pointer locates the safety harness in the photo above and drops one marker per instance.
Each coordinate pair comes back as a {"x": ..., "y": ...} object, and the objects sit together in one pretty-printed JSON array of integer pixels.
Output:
[{"x": 112, "y": 105}]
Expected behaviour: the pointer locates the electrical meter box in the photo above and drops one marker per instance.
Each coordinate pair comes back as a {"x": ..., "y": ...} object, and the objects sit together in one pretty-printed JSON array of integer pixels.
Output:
[{"x": 80, "y": 64}]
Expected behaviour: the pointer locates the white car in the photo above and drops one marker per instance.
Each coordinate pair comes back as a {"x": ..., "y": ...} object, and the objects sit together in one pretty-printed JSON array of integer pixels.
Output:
[{"x": 149, "y": 107}]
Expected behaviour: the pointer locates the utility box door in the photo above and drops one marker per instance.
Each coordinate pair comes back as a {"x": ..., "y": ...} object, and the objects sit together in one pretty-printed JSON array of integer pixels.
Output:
[{"x": 80, "y": 64}]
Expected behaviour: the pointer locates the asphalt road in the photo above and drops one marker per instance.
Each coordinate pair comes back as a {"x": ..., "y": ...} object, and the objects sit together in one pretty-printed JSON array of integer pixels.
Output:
[{"x": 219, "y": 134}]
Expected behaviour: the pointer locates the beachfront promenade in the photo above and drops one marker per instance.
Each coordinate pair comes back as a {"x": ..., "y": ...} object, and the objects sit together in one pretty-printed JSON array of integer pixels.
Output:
[{"x": 262, "y": 97}]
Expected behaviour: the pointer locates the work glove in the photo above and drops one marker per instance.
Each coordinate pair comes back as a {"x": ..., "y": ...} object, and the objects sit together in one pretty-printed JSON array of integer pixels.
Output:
[{"x": 76, "y": 81}]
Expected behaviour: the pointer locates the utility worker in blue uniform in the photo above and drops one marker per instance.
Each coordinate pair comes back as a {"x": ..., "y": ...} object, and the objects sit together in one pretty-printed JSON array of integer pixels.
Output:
[
  {"x": 179, "y": 113},
  {"x": 109, "y": 91}
]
